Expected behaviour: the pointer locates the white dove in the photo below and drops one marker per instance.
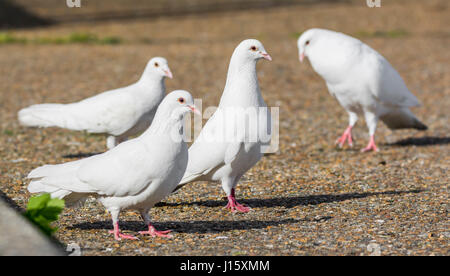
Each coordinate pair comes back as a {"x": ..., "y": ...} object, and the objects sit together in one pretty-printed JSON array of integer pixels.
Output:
[
  {"x": 362, "y": 80},
  {"x": 213, "y": 157},
  {"x": 134, "y": 175},
  {"x": 120, "y": 113}
]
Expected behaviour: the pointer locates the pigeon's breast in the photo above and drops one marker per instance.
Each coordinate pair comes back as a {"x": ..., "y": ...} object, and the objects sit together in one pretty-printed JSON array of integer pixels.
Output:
[
  {"x": 173, "y": 165},
  {"x": 352, "y": 97}
]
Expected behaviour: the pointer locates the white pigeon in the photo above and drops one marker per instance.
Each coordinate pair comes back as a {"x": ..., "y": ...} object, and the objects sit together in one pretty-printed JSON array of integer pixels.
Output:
[
  {"x": 362, "y": 80},
  {"x": 134, "y": 175},
  {"x": 120, "y": 113},
  {"x": 212, "y": 158}
]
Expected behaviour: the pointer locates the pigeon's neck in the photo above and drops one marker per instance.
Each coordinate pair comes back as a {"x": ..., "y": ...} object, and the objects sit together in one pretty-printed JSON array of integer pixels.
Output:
[
  {"x": 152, "y": 89},
  {"x": 241, "y": 88},
  {"x": 152, "y": 81}
]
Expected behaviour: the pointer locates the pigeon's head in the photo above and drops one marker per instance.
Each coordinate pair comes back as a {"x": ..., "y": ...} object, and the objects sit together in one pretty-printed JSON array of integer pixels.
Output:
[
  {"x": 251, "y": 49},
  {"x": 178, "y": 103},
  {"x": 158, "y": 66},
  {"x": 305, "y": 42}
]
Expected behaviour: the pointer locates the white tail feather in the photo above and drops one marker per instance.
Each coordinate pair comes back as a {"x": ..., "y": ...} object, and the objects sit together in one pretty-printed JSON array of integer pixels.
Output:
[
  {"x": 53, "y": 115},
  {"x": 187, "y": 179},
  {"x": 43, "y": 115},
  {"x": 60, "y": 181},
  {"x": 398, "y": 118}
]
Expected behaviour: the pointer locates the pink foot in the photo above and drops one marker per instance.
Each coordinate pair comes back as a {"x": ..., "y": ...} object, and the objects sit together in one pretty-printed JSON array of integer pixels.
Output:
[
  {"x": 154, "y": 233},
  {"x": 347, "y": 136},
  {"x": 234, "y": 206},
  {"x": 119, "y": 236},
  {"x": 371, "y": 146}
]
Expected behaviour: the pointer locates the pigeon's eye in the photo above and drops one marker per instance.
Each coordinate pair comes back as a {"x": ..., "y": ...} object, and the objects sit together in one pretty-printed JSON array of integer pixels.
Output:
[
  {"x": 181, "y": 100},
  {"x": 253, "y": 48},
  {"x": 156, "y": 64},
  {"x": 307, "y": 42}
]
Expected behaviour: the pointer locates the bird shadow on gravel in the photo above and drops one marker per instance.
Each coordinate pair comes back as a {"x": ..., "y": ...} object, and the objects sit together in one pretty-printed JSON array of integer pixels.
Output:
[
  {"x": 201, "y": 227},
  {"x": 198, "y": 227},
  {"x": 421, "y": 142},
  {"x": 290, "y": 202}
]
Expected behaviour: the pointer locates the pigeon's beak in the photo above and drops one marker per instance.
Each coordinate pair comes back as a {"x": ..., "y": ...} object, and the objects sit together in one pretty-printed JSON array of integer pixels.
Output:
[
  {"x": 168, "y": 73},
  {"x": 265, "y": 55},
  {"x": 301, "y": 57},
  {"x": 194, "y": 110}
]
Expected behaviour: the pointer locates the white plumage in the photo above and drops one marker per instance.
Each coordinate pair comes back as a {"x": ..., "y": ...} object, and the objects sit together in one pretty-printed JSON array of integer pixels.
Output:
[
  {"x": 362, "y": 80},
  {"x": 213, "y": 157},
  {"x": 136, "y": 174},
  {"x": 119, "y": 113}
]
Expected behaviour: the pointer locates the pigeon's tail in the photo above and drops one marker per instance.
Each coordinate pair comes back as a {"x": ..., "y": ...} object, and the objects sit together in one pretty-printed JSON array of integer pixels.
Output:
[
  {"x": 399, "y": 118},
  {"x": 45, "y": 115},
  {"x": 179, "y": 187},
  {"x": 60, "y": 181},
  {"x": 71, "y": 199}
]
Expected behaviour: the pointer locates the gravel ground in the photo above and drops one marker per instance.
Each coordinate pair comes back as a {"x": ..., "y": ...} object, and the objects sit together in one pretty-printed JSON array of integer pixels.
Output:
[{"x": 309, "y": 198}]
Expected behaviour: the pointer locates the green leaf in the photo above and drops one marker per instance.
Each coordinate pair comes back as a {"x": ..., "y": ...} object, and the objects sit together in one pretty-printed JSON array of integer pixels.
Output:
[
  {"x": 42, "y": 210},
  {"x": 51, "y": 213},
  {"x": 38, "y": 202},
  {"x": 56, "y": 203}
]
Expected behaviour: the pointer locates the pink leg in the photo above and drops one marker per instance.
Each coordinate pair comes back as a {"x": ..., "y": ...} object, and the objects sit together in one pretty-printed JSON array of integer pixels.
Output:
[
  {"x": 154, "y": 233},
  {"x": 119, "y": 236},
  {"x": 371, "y": 145},
  {"x": 347, "y": 136},
  {"x": 234, "y": 206}
]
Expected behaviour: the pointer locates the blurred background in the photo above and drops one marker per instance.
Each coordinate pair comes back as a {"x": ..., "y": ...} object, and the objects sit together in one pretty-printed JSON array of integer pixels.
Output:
[{"x": 23, "y": 13}]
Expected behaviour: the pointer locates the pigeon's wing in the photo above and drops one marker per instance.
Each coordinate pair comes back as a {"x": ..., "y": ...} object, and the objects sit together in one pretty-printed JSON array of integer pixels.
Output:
[
  {"x": 208, "y": 157},
  {"x": 209, "y": 151},
  {"x": 52, "y": 178},
  {"x": 111, "y": 112},
  {"x": 232, "y": 152},
  {"x": 122, "y": 171},
  {"x": 386, "y": 85},
  {"x": 203, "y": 159}
]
